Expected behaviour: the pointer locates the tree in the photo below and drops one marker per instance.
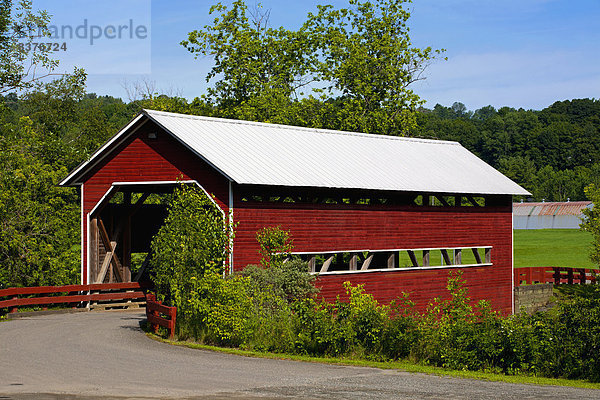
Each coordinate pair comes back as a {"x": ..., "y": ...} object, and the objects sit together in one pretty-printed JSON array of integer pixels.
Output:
[
  {"x": 252, "y": 61},
  {"x": 347, "y": 68},
  {"x": 39, "y": 221},
  {"x": 22, "y": 64},
  {"x": 591, "y": 222},
  {"x": 366, "y": 54},
  {"x": 519, "y": 169}
]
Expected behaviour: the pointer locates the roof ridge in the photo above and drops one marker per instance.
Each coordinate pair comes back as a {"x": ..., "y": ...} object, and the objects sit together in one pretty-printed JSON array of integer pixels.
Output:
[{"x": 303, "y": 128}]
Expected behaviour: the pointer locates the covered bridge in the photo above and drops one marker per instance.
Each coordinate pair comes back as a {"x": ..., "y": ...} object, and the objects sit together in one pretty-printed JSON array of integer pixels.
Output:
[{"x": 396, "y": 214}]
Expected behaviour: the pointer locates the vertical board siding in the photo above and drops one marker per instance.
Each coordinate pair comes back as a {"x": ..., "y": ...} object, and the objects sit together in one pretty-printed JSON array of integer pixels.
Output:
[
  {"x": 140, "y": 159},
  {"x": 326, "y": 227}
]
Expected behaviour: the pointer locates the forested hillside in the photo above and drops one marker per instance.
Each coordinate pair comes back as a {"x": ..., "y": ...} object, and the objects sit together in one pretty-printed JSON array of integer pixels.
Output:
[{"x": 554, "y": 153}]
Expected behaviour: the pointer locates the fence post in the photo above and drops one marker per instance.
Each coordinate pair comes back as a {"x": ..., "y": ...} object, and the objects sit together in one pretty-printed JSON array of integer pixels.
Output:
[
  {"x": 151, "y": 297},
  {"x": 13, "y": 309},
  {"x": 172, "y": 323},
  {"x": 556, "y": 275},
  {"x": 582, "y": 277},
  {"x": 570, "y": 276}
]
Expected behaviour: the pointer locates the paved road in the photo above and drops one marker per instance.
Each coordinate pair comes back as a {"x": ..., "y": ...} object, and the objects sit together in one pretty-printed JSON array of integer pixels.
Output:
[{"x": 105, "y": 356}]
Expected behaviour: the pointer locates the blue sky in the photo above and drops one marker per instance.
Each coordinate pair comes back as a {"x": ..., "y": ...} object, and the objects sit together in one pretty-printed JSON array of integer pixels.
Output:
[{"x": 518, "y": 53}]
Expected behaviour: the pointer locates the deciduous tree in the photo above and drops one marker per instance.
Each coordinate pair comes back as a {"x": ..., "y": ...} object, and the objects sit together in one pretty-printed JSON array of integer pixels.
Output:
[
  {"x": 591, "y": 223},
  {"x": 355, "y": 63}
]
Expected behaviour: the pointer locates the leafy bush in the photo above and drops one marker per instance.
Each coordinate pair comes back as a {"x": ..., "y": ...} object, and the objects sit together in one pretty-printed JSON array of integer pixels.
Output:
[
  {"x": 275, "y": 245},
  {"x": 193, "y": 241},
  {"x": 216, "y": 310},
  {"x": 318, "y": 329},
  {"x": 290, "y": 280},
  {"x": 286, "y": 276},
  {"x": 456, "y": 335},
  {"x": 270, "y": 323}
]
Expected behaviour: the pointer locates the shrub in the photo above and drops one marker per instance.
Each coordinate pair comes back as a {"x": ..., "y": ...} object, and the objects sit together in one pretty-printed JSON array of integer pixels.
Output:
[
  {"x": 275, "y": 245},
  {"x": 193, "y": 240},
  {"x": 455, "y": 335},
  {"x": 318, "y": 330},
  {"x": 366, "y": 317},
  {"x": 216, "y": 309},
  {"x": 278, "y": 272},
  {"x": 400, "y": 333},
  {"x": 270, "y": 324},
  {"x": 289, "y": 280}
]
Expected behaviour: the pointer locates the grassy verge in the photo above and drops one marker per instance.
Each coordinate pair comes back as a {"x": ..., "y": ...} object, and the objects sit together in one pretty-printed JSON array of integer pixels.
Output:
[
  {"x": 552, "y": 248},
  {"x": 399, "y": 365}
]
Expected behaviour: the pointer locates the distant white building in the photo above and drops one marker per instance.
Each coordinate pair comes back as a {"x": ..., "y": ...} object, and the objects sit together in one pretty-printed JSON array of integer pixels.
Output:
[{"x": 549, "y": 215}]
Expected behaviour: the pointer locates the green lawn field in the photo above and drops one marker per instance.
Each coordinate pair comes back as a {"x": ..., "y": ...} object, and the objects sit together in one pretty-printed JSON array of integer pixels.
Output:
[{"x": 552, "y": 248}]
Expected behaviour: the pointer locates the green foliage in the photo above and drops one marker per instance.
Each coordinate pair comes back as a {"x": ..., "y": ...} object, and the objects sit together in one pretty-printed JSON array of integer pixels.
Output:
[
  {"x": 365, "y": 53},
  {"x": 591, "y": 222},
  {"x": 452, "y": 333},
  {"x": 355, "y": 64},
  {"x": 215, "y": 309},
  {"x": 193, "y": 241},
  {"x": 20, "y": 26},
  {"x": 270, "y": 322},
  {"x": 457, "y": 336},
  {"x": 365, "y": 316},
  {"x": 39, "y": 221},
  {"x": 554, "y": 153},
  {"x": 252, "y": 61},
  {"x": 289, "y": 279},
  {"x": 275, "y": 245}
]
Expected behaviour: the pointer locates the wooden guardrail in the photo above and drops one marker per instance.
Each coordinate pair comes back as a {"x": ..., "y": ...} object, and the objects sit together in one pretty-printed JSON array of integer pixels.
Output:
[
  {"x": 154, "y": 310},
  {"x": 555, "y": 275},
  {"x": 70, "y": 294}
]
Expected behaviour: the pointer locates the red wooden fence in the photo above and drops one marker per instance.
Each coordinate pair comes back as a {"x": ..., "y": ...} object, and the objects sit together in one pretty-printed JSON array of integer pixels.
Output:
[
  {"x": 555, "y": 275},
  {"x": 71, "y": 294},
  {"x": 154, "y": 310}
]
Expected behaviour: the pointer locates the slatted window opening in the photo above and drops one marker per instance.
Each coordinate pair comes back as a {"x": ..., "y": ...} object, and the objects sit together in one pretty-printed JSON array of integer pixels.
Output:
[
  {"x": 397, "y": 259},
  {"x": 431, "y": 200}
]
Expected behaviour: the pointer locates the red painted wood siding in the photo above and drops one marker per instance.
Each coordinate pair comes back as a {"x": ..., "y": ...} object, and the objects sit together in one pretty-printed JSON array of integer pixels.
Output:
[
  {"x": 325, "y": 227},
  {"x": 490, "y": 283},
  {"x": 140, "y": 159}
]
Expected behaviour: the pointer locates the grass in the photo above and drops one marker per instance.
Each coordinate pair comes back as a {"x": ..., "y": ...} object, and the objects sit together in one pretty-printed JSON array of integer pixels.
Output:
[
  {"x": 399, "y": 365},
  {"x": 552, "y": 248}
]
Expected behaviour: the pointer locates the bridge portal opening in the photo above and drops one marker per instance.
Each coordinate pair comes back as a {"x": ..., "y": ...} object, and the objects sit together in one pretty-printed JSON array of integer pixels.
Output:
[{"x": 121, "y": 228}]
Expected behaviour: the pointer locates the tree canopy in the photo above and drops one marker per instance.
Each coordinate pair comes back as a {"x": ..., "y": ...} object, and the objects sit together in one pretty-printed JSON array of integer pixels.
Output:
[
  {"x": 348, "y": 68},
  {"x": 20, "y": 26},
  {"x": 554, "y": 153}
]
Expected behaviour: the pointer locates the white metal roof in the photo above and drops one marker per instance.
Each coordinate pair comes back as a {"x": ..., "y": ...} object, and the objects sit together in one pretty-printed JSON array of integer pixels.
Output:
[{"x": 267, "y": 154}]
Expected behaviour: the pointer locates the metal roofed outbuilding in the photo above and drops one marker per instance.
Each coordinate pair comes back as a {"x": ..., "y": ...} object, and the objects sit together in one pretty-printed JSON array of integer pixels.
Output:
[
  {"x": 395, "y": 214},
  {"x": 549, "y": 215}
]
